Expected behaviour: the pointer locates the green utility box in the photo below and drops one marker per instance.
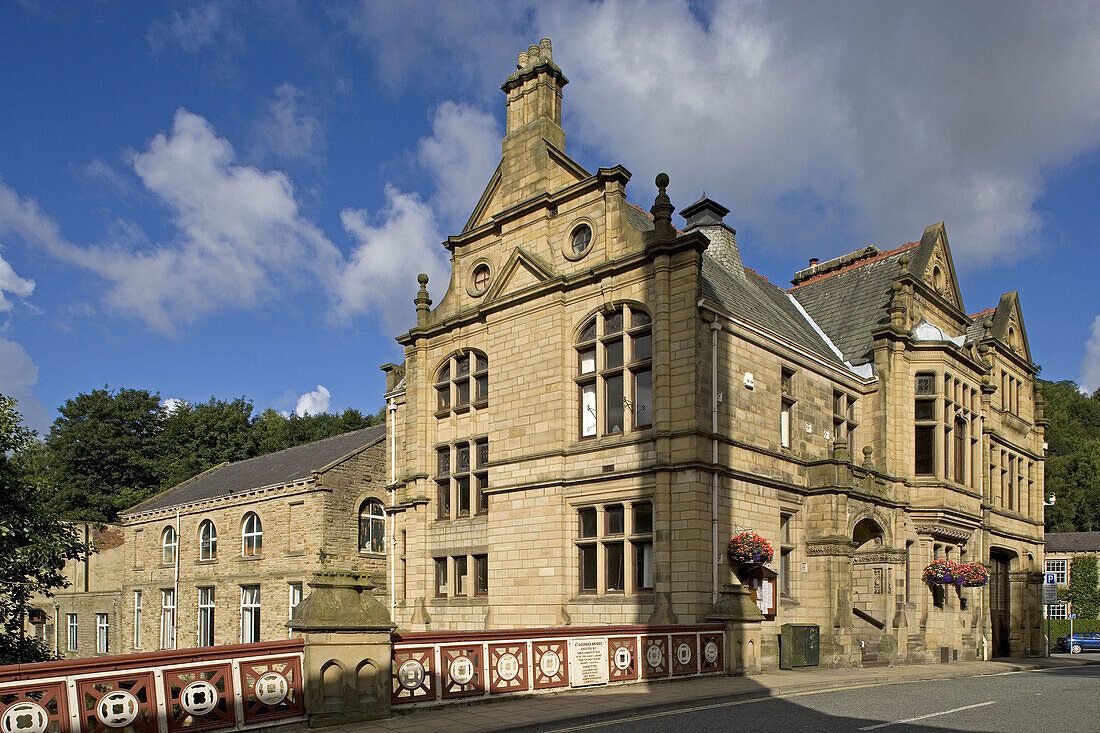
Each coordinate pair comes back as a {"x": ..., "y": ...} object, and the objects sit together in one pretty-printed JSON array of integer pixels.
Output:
[{"x": 799, "y": 646}]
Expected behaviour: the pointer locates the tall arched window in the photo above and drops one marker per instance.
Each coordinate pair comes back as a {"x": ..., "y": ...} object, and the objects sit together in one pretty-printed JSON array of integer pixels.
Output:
[
  {"x": 169, "y": 544},
  {"x": 372, "y": 526},
  {"x": 960, "y": 450},
  {"x": 461, "y": 380},
  {"x": 614, "y": 372},
  {"x": 252, "y": 535},
  {"x": 208, "y": 540}
]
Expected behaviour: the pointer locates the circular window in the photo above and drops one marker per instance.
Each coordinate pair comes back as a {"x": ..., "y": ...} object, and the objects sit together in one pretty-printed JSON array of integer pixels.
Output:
[
  {"x": 580, "y": 239},
  {"x": 481, "y": 278}
]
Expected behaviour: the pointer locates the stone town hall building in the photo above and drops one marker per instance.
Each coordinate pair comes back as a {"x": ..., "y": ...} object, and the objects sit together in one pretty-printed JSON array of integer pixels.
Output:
[{"x": 598, "y": 400}]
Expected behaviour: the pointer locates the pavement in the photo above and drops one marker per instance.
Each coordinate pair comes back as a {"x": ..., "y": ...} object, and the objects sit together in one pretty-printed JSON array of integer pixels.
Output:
[{"x": 557, "y": 710}]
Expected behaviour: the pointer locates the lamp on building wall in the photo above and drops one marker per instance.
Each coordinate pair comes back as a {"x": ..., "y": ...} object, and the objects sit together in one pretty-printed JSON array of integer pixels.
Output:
[{"x": 1049, "y": 501}]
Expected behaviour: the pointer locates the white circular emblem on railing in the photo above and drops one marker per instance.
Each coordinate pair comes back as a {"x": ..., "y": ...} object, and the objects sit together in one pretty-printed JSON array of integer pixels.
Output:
[
  {"x": 654, "y": 656},
  {"x": 710, "y": 651},
  {"x": 271, "y": 689},
  {"x": 622, "y": 658},
  {"x": 683, "y": 653},
  {"x": 462, "y": 670},
  {"x": 199, "y": 697},
  {"x": 507, "y": 666},
  {"x": 25, "y": 717},
  {"x": 549, "y": 663},
  {"x": 410, "y": 674},
  {"x": 117, "y": 709}
]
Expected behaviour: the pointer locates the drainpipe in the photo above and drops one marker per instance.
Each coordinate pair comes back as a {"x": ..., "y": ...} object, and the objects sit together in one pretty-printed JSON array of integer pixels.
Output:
[
  {"x": 391, "y": 521},
  {"x": 176, "y": 585},
  {"x": 715, "y": 327}
]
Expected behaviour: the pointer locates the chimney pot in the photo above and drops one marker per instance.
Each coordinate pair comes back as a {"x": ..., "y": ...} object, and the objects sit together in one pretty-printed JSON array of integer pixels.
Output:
[
  {"x": 813, "y": 261},
  {"x": 521, "y": 60},
  {"x": 544, "y": 49},
  {"x": 533, "y": 54}
]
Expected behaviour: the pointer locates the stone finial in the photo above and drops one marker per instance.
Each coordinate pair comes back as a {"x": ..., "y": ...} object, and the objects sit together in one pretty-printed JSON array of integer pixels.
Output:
[
  {"x": 422, "y": 301},
  {"x": 662, "y": 209},
  {"x": 545, "y": 50},
  {"x": 868, "y": 451},
  {"x": 903, "y": 261}
]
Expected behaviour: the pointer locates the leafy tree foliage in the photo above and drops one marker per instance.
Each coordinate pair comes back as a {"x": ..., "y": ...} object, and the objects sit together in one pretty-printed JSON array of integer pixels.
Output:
[
  {"x": 103, "y": 452},
  {"x": 1082, "y": 590},
  {"x": 110, "y": 449},
  {"x": 34, "y": 542},
  {"x": 1073, "y": 457}
]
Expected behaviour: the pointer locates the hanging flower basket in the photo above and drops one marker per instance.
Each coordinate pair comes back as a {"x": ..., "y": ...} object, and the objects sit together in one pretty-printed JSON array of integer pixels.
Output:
[
  {"x": 749, "y": 547},
  {"x": 971, "y": 574},
  {"x": 940, "y": 572}
]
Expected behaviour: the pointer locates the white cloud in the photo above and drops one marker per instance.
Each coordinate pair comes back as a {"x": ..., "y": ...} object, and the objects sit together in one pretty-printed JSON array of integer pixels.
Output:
[
  {"x": 18, "y": 374},
  {"x": 171, "y": 404},
  {"x": 460, "y": 155},
  {"x": 1090, "y": 365},
  {"x": 200, "y": 27},
  {"x": 828, "y": 123},
  {"x": 287, "y": 133},
  {"x": 241, "y": 239},
  {"x": 12, "y": 283},
  {"x": 381, "y": 274},
  {"x": 313, "y": 403}
]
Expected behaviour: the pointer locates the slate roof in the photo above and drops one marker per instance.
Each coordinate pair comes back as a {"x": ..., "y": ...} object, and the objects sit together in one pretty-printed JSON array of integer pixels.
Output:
[
  {"x": 1072, "y": 541},
  {"x": 282, "y": 467},
  {"x": 752, "y": 298},
  {"x": 848, "y": 303}
]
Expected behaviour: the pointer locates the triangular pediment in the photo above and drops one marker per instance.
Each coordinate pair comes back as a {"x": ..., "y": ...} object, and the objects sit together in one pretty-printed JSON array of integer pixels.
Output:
[
  {"x": 520, "y": 272},
  {"x": 934, "y": 265},
  {"x": 1008, "y": 325}
]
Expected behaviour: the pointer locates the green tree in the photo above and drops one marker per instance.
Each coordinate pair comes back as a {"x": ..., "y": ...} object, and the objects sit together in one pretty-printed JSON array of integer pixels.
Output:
[
  {"x": 197, "y": 437},
  {"x": 34, "y": 542},
  {"x": 103, "y": 452},
  {"x": 1072, "y": 470},
  {"x": 1082, "y": 590}
]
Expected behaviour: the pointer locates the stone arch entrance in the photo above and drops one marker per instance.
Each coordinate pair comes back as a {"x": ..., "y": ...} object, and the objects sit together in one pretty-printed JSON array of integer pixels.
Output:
[{"x": 870, "y": 589}]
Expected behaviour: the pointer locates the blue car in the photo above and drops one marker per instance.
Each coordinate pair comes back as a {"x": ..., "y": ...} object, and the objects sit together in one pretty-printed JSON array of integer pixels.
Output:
[{"x": 1082, "y": 641}]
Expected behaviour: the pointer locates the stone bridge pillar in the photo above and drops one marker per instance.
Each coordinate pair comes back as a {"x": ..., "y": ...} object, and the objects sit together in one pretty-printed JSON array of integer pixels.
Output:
[
  {"x": 346, "y": 629},
  {"x": 742, "y": 618}
]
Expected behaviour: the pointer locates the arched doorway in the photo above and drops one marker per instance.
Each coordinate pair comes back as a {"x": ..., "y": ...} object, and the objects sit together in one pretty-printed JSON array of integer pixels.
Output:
[{"x": 1000, "y": 601}]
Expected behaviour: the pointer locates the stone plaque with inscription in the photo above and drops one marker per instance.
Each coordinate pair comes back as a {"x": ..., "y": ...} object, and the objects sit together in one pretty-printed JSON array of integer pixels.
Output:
[{"x": 588, "y": 661}]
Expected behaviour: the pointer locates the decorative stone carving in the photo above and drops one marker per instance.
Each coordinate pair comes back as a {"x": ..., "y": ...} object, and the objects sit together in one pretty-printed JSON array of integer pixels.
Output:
[
  {"x": 939, "y": 530},
  {"x": 830, "y": 548}
]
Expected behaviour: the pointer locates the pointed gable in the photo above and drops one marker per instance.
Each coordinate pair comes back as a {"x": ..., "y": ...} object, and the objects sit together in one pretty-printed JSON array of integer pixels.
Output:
[
  {"x": 1008, "y": 325},
  {"x": 932, "y": 263}
]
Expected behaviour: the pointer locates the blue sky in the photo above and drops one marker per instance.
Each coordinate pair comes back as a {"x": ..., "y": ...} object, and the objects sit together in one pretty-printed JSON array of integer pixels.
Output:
[{"x": 232, "y": 198}]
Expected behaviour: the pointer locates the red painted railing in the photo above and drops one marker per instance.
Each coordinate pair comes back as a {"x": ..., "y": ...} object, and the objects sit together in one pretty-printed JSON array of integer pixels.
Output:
[
  {"x": 431, "y": 668},
  {"x": 212, "y": 688}
]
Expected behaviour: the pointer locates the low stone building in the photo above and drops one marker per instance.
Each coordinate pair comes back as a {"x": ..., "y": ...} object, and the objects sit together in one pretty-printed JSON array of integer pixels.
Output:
[
  {"x": 83, "y": 619},
  {"x": 223, "y": 558},
  {"x": 599, "y": 400},
  {"x": 1059, "y": 553}
]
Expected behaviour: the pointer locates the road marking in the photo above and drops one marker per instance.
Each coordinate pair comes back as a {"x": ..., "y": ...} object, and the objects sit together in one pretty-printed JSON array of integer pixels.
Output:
[{"x": 929, "y": 715}]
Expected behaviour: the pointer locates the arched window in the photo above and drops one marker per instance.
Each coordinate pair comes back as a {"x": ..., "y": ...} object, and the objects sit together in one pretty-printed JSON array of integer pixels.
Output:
[
  {"x": 614, "y": 372},
  {"x": 372, "y": 526},
  {"x": 461, "y": 377},
  {"x": 208, "y": 540},
  {"x": 169, "y": 544},
  {"x": 252, "y": 535}
]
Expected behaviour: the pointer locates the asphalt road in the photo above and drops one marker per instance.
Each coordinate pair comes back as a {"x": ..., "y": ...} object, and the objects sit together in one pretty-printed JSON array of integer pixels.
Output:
[{"x": 1063, "y": 700}]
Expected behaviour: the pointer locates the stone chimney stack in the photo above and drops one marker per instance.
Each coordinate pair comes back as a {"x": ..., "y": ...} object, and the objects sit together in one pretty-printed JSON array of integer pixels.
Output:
[{"x": 534, "y": 99}]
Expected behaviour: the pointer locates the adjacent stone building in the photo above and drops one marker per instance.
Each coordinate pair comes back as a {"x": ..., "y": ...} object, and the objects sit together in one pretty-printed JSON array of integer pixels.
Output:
[
  {"x": 224, "y": 557},
  {"x": 83, "y": 619},
  {"x": 1060, "y": 551},
  {"x": 599, "y": 400}
]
